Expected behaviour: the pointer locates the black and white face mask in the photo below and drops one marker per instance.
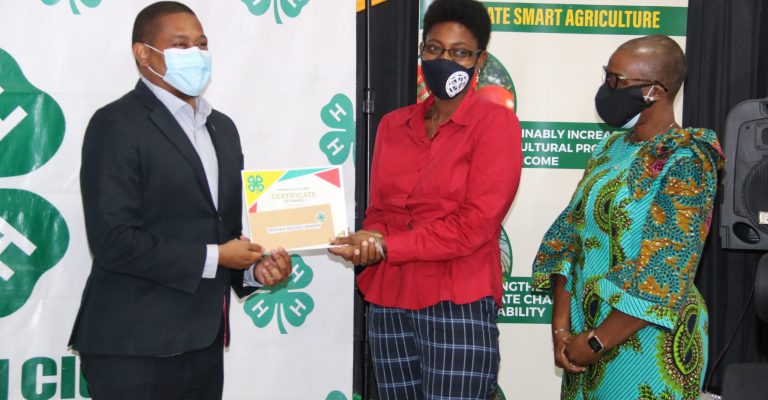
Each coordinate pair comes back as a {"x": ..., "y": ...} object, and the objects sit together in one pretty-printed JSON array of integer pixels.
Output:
[
  {"x": 621, "y": 108},
  {"x": 446, "y": 78}
]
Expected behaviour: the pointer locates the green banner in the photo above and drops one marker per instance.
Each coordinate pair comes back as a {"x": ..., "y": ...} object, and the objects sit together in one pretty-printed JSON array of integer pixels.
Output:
[
  {"x": 589, "y": 19},
  {"x": 564, "y": 145},
  {"x": 583, "y": 18},
  {"x": 524, "y": 305}
]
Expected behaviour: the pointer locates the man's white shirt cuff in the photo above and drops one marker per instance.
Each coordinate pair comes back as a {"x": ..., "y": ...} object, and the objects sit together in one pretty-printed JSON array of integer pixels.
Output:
[{"x": 211, "y": 261}]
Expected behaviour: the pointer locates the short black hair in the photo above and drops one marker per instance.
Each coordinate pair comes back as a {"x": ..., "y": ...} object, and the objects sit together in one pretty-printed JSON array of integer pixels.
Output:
[
  {"x": 145, "y": 27},
  {"x": 667, "y": 59},
  {"x": 470, "y": 13}
]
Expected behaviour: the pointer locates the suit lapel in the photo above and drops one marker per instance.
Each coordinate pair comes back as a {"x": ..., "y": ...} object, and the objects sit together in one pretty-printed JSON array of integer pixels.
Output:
[
  {"x": 169, "y": 127},
  {"x": 221, "y": 156}
]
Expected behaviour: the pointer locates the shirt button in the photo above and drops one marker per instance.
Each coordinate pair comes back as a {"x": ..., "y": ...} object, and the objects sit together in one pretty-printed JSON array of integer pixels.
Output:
[{"x": 219, "y": 218}]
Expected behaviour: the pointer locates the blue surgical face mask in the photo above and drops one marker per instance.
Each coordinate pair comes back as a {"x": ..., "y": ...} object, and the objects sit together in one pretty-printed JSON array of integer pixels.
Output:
[{"x": 188, "y": 70}]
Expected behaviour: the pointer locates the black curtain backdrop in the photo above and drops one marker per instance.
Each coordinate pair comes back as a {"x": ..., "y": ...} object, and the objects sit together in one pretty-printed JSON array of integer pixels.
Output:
[
  {"x": 727, "y": 65},
  {"x": 394, "y": 29}
]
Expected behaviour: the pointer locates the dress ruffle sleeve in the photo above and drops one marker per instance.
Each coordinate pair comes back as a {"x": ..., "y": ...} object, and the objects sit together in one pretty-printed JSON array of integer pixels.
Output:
[{"x": 679, "y": 169}]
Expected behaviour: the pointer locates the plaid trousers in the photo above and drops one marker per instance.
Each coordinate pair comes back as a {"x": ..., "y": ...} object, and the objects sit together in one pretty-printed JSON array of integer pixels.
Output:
[{"x": 447, "y": 351}]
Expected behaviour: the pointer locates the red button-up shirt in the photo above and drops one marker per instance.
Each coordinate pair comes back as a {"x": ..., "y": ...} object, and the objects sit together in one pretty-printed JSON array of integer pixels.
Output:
[{"x": 440, "y": 204}]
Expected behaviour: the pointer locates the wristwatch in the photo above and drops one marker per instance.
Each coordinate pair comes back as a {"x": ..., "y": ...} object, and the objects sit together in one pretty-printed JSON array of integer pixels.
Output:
[{"x": 594, "y": 342}]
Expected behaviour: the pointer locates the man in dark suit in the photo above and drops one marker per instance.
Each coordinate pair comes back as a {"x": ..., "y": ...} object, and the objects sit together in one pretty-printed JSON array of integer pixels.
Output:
[{"x": 160, "y": 181}]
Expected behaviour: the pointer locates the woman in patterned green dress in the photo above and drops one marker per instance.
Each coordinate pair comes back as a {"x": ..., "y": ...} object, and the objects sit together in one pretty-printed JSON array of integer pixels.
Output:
[{"x": 628, "y": 322}]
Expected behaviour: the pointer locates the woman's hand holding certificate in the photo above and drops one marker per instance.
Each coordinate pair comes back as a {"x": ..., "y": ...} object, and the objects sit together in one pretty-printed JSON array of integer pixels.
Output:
[{"x": 360, "y": 248}]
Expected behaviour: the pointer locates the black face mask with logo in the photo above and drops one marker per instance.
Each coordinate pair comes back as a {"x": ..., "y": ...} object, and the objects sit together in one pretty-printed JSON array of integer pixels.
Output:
[
  {"x": 446, "y": 78},
  {"x": 621, "y": 108}
]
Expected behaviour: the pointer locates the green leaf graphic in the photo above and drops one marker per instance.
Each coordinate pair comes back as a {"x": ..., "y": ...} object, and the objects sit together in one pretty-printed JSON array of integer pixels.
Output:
[
  {"x": 499, "y": 395},
  {"x": 291, "y": 8},
  {"x": 261, "y": 309},
  {"x": 73, "y": 4},
  {"x": 284, "y": 301},
  {"x": 297, "y": 307},
  {"x": 31, "y": 122},
  {"x": 90, "y": 3},
  {"x": 339, "y": 143},
  {"x": 338, "y": 113},
  {"x": 339, "y": 395},
  {"x": 257, "y": 7},
  {"x": 336, "y": 395},
  {"x": 33, "y": 238}
]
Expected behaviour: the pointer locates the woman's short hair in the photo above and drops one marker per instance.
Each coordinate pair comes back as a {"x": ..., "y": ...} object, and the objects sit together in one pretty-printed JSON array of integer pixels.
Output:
[
  {"x": 665, "y": 56},
  {"x": 470, "y": 13}
]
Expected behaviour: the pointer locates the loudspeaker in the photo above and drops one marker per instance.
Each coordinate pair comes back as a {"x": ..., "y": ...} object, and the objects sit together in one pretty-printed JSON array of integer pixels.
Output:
[{"x": 744, "y": 209}]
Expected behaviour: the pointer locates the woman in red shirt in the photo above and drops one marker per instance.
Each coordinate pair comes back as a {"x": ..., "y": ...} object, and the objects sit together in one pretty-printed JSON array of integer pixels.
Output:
[{"x": 443, "y": 176}]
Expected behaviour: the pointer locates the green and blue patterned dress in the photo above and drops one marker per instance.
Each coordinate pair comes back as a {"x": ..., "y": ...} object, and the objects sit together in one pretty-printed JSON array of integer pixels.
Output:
[{"x": 630, "y": 239}]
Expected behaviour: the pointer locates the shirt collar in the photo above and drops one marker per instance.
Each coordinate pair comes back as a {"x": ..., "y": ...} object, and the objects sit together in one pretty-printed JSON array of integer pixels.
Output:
[
  {"x": 460, "y": 116},
  {"x": 175, "y": 104}
]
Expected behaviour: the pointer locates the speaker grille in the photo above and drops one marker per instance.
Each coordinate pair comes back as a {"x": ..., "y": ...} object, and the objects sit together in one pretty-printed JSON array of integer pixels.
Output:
[
  {"x": 764, "y": 135},
  {"x": 747, "y": 155},
  {"x": 755, "y": 193}
]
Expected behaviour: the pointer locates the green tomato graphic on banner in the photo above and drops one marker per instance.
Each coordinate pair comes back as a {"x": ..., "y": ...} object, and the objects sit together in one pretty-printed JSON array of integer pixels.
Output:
[
  {"x": 27, "y": 116},
  {"x": 494, "y": 83},
  {"x": 73, "y": 4},
  {"x": 291, "y": 8},
  {"x": 33, "y": 238},
  {"x": 505, "y": 247},
  {"x": 283, "y": 302},
  {"x": 339, "y": 143}
]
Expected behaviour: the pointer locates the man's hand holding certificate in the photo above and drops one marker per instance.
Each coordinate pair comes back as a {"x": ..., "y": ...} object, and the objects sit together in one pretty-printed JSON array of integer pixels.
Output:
[{"x": 297, "y": 209}]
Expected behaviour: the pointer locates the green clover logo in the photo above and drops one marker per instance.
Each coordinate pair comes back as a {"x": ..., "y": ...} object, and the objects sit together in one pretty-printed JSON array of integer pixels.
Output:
[
  {"x": 339, "y": 116},
  {"x": 255, "y": 183},
  {"x": 284, "y": 301},
  {"x": 33, "y": 238},
  {"x": 291, "y": 8},
  {"x": 33, "y": 234},
  {"x": 31, "y": 122},
  {"x": 73, "y": 4},
  {"x": 321, "y": 217},
  {"x": 339, "y": 395}
]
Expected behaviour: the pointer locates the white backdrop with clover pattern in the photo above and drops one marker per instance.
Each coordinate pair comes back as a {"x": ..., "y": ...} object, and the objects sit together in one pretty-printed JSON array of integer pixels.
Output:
[{"x": 284, "y": 70}]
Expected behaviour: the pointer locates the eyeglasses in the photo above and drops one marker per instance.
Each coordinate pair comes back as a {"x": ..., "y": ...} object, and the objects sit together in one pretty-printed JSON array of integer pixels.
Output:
[
  {"x": 456, "y": 54},
  {"x": 612, "y": 79}
]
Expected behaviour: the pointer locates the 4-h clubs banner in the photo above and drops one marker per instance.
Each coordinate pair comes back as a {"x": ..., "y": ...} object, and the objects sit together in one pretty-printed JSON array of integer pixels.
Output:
[
  {"x": 284, "y": 70},
  {"x": 545, "y": 62}
]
